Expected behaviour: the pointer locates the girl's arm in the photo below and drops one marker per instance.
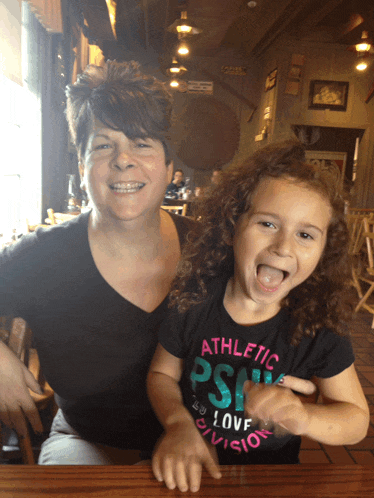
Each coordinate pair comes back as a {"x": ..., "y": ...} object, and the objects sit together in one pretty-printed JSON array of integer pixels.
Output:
[
  {"x": 342, "y": 418},
  {"x": 181, "y": 452}
]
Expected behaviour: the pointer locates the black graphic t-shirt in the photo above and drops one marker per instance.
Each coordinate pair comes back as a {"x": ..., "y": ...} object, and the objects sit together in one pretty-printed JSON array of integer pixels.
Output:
[{"x": 220, "y": 355}]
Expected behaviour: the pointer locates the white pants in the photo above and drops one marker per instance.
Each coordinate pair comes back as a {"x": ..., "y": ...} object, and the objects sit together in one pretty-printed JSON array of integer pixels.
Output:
[{"x": 64, "y": 446}]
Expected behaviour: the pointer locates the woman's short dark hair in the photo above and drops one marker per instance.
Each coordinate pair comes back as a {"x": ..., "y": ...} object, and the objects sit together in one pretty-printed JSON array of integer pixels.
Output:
[
  {"x": 324, "y": 299},
  {"x": 120, "y": 96}
]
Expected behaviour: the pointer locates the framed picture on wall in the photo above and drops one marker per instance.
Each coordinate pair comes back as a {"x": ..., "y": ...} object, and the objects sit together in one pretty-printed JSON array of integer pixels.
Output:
[
  {"x": 334, "y": 162},
  {"x": 331, "y": 95}
]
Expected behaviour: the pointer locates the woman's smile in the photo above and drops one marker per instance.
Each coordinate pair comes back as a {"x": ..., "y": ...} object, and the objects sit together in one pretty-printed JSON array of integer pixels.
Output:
[{"x": 126, "y": 187}]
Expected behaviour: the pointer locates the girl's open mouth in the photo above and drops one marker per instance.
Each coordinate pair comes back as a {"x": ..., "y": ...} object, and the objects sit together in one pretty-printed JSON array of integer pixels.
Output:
[{"x": 269, "y": 277}]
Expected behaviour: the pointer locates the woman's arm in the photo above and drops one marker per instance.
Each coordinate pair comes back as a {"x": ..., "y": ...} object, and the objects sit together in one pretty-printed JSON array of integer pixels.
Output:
[
  {"x": 16, "y": 404},
  {"x": 181, "y": 452},
  {"x": 342, "y": 418}
]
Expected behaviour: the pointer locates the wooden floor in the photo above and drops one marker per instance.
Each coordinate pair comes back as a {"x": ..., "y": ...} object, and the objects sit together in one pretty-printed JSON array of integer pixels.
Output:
[{"x": 361, "y": 453}]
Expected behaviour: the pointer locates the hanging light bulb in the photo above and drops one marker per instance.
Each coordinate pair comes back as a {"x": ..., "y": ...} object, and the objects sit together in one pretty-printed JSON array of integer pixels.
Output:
[
  {"x": 184, "y": 26},
  {"x": 174, "y": 83},
  {"x": 176, "y": 67},
  {"x": 361, "y": 64},
  {"x": 183, "y": 49},
  {"x": 364, "y": 45}
]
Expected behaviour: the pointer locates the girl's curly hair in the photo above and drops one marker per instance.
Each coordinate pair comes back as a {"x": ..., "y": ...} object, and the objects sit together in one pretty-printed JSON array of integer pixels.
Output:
[
  {"x": 324, "y": 299},
  {"x": 123, "y": 98}
]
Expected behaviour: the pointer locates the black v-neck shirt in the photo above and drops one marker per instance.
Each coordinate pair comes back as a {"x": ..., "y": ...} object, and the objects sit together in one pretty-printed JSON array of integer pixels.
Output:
[{"x": 94, "y": 346}]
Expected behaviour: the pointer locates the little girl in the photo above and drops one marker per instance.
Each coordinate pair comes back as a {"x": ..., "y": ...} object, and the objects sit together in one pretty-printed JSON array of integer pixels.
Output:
[{"x": 262, "y": 292}]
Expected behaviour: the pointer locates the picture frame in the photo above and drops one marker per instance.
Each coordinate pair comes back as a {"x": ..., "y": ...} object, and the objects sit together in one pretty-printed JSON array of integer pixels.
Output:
[
  {"x": 331, "y": 95},
  {"x": 328, "y": 160}
]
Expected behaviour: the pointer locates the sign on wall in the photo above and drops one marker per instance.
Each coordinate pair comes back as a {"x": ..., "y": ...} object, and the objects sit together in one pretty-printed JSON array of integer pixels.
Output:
[
  {"x": 235, "y": 70},
  {"x": 200, "y": 87}
]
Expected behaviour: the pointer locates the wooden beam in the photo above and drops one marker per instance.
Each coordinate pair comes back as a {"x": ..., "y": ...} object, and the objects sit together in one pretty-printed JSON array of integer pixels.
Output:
[{"x": 318, "y": 15}]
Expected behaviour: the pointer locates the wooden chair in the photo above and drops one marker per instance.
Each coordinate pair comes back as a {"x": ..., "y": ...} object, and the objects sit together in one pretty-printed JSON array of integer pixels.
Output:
[
  {"x": 356, "y": 248},
  {"x": 57, "y": 218},
  {"x": 16, "y": 334},
  {"x": 367, "y": 272},
  {"x": 182, "y": 210}
]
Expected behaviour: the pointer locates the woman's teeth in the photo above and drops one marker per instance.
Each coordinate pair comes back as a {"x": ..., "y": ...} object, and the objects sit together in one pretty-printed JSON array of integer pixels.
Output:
[{"x": 127, "y": 187}]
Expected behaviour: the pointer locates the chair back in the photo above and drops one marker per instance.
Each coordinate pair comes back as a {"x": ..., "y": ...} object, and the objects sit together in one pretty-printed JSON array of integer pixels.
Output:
[
  {"x": 368, "y": 234},
  {"x": 51, "y": 216}
]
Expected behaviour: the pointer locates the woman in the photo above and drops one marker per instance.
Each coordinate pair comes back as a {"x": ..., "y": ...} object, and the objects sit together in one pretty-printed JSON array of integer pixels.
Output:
[{"x": 93, "y": 289}]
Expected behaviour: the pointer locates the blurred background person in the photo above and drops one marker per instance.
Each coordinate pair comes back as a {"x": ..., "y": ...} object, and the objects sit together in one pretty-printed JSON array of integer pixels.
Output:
[{"x": 173, "y": 189}]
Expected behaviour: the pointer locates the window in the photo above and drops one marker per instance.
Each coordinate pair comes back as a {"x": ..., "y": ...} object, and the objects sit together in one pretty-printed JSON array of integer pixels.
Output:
[{"x": 20, "y": 163}]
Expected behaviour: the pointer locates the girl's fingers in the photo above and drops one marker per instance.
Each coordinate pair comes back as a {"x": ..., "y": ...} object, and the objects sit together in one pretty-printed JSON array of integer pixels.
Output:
[
  {"x": 194, "y": 476},
  {"x": 156, "y": 469},
  {"x": 212, "y": 468},
  {"x": 299, "y": 385},
  {"x": 181, "y": 476},
  {"x": 168, "y": 474}
]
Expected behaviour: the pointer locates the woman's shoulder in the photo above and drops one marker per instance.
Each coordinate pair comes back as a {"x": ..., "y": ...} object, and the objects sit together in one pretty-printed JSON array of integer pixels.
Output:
[{"x": 48, "y": 241}]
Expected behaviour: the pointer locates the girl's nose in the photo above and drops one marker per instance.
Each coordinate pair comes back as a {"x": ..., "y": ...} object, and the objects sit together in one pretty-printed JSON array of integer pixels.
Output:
[{"x": 282, "y": 245}]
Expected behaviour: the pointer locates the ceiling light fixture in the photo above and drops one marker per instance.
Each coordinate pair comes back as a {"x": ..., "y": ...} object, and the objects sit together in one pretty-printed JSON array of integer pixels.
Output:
[
  {"x": 183, "y": 49},
  {"x": 363, "y": 50},
  {"x": 364, "y": 45},
  {"x": 176, "y": 68},
  {"x": 361, "y": 64},
  {"x": 183, "y": 26}
]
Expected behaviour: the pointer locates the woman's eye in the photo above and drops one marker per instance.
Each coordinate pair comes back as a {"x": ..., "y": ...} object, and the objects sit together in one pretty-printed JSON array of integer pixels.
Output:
[
  {"x": 142, "y": 145},
  {"x": 101, "y": 146}
]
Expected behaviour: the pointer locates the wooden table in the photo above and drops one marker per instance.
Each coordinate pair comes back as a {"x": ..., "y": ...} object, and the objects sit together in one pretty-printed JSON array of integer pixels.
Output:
[{"x": 328, "y": 481}]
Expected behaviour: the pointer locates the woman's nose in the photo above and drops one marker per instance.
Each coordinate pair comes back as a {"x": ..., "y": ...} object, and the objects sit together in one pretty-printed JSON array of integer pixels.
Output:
[{"x": 124, "y": 160}]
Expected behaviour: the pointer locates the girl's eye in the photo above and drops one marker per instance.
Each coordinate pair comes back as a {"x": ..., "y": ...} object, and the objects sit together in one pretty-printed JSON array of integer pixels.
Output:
[
  {"x": 267, "y": 224},
  {"x": 305, "y": 235}
]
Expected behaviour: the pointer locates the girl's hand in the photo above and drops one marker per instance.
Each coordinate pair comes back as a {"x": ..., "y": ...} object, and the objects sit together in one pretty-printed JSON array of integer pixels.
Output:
[
  {"x": 16, "y": 404},
  {"x": 277, "y": 406},
  {"x": 180, "y": 455}
]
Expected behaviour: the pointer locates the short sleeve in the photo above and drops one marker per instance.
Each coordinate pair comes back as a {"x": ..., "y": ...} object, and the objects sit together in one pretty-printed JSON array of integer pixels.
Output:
[{"x": 333, "y": 356}]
